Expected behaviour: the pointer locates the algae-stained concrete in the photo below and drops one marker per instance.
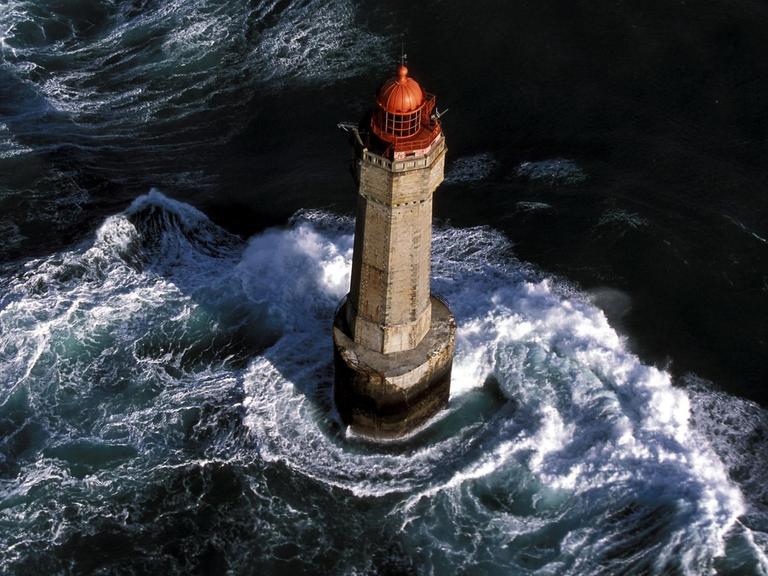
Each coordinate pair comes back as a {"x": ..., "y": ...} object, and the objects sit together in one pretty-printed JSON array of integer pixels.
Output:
[{"x": 386, "y": 396}]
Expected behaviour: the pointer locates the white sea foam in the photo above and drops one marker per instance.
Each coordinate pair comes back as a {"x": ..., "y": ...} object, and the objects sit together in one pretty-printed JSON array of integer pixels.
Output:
[
  {"x": 9, "y": 146},
  {"x": 591, "y": 416},
  {"x": 576, "y": 448},
  {"x": 165, "y": 60},
  {"x": 470, "y": 168},
  {"x": 555, "y": 171}
]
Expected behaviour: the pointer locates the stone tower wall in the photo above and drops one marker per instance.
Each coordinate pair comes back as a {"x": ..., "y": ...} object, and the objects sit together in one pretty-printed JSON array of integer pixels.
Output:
[{"x": 389, "y": 299}]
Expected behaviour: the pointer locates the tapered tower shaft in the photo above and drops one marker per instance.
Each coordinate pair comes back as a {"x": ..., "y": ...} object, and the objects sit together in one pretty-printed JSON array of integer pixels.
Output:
[
  {"x": 389, "y": 300},
  {"x": 393, "y": 340}
]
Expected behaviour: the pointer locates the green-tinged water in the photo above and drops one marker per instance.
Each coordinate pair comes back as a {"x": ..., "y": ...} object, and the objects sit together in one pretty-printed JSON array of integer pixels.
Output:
[
  {"x": 165, "y": 358},
  {"x": 168, "y": 409}
]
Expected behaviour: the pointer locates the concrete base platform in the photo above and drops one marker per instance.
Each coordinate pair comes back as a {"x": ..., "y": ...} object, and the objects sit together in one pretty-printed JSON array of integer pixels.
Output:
[{"x": 389, "y": 395}]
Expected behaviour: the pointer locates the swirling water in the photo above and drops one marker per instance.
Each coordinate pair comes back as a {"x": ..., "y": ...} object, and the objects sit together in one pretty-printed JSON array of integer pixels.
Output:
[
  {"x": 165, "y": 387},
  {"x": 167, "y": 408},
  {"x": 100, "y": 97}
]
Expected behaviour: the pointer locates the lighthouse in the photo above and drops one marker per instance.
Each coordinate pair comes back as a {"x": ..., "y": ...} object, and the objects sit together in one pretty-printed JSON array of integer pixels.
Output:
[{"x": 393, "y": 339}]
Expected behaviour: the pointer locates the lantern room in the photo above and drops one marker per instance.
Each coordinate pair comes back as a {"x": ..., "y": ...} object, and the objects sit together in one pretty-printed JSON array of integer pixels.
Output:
[{"x": 404, "y": 118}]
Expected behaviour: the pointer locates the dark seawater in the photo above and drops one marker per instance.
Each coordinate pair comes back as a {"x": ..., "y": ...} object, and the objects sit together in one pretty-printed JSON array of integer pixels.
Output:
[{"x": 175, "y": 233}]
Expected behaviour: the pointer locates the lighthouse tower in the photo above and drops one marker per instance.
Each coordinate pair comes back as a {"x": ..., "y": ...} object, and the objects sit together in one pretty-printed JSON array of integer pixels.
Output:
[{"x": 393, "y": 339}]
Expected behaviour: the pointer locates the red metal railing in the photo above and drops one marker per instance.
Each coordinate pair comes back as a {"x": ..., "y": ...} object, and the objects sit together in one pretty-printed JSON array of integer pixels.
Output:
[{"x": 406, "y": 132}]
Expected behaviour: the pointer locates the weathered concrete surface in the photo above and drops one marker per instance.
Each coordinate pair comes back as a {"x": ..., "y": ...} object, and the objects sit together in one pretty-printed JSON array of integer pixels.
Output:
[
  {"x": 389, "y": 308},
  {"x": 389, "y": 395}
]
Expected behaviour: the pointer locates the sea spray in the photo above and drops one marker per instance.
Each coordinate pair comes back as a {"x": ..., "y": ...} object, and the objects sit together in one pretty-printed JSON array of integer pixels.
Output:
[{"x": 166, "y": 377}]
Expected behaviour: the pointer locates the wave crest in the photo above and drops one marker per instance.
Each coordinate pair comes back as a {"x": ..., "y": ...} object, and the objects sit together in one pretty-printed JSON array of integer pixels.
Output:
[{"x": 166, "y": 340}]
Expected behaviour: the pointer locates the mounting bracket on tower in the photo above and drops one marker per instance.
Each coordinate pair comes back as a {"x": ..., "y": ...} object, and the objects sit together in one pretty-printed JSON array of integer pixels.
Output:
[
  {"x": 351, "y": 128},
  {"x": 437, "y": 114}
]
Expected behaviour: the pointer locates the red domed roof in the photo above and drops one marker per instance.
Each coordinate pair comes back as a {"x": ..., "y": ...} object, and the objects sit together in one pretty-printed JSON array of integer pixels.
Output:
[{"x": 401, "y": 94}]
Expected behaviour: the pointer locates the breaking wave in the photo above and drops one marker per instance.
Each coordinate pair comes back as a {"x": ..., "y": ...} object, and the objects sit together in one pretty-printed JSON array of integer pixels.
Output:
[
  {"x": 167, "y": 382},
  {"x": 106, "y": 97}
]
